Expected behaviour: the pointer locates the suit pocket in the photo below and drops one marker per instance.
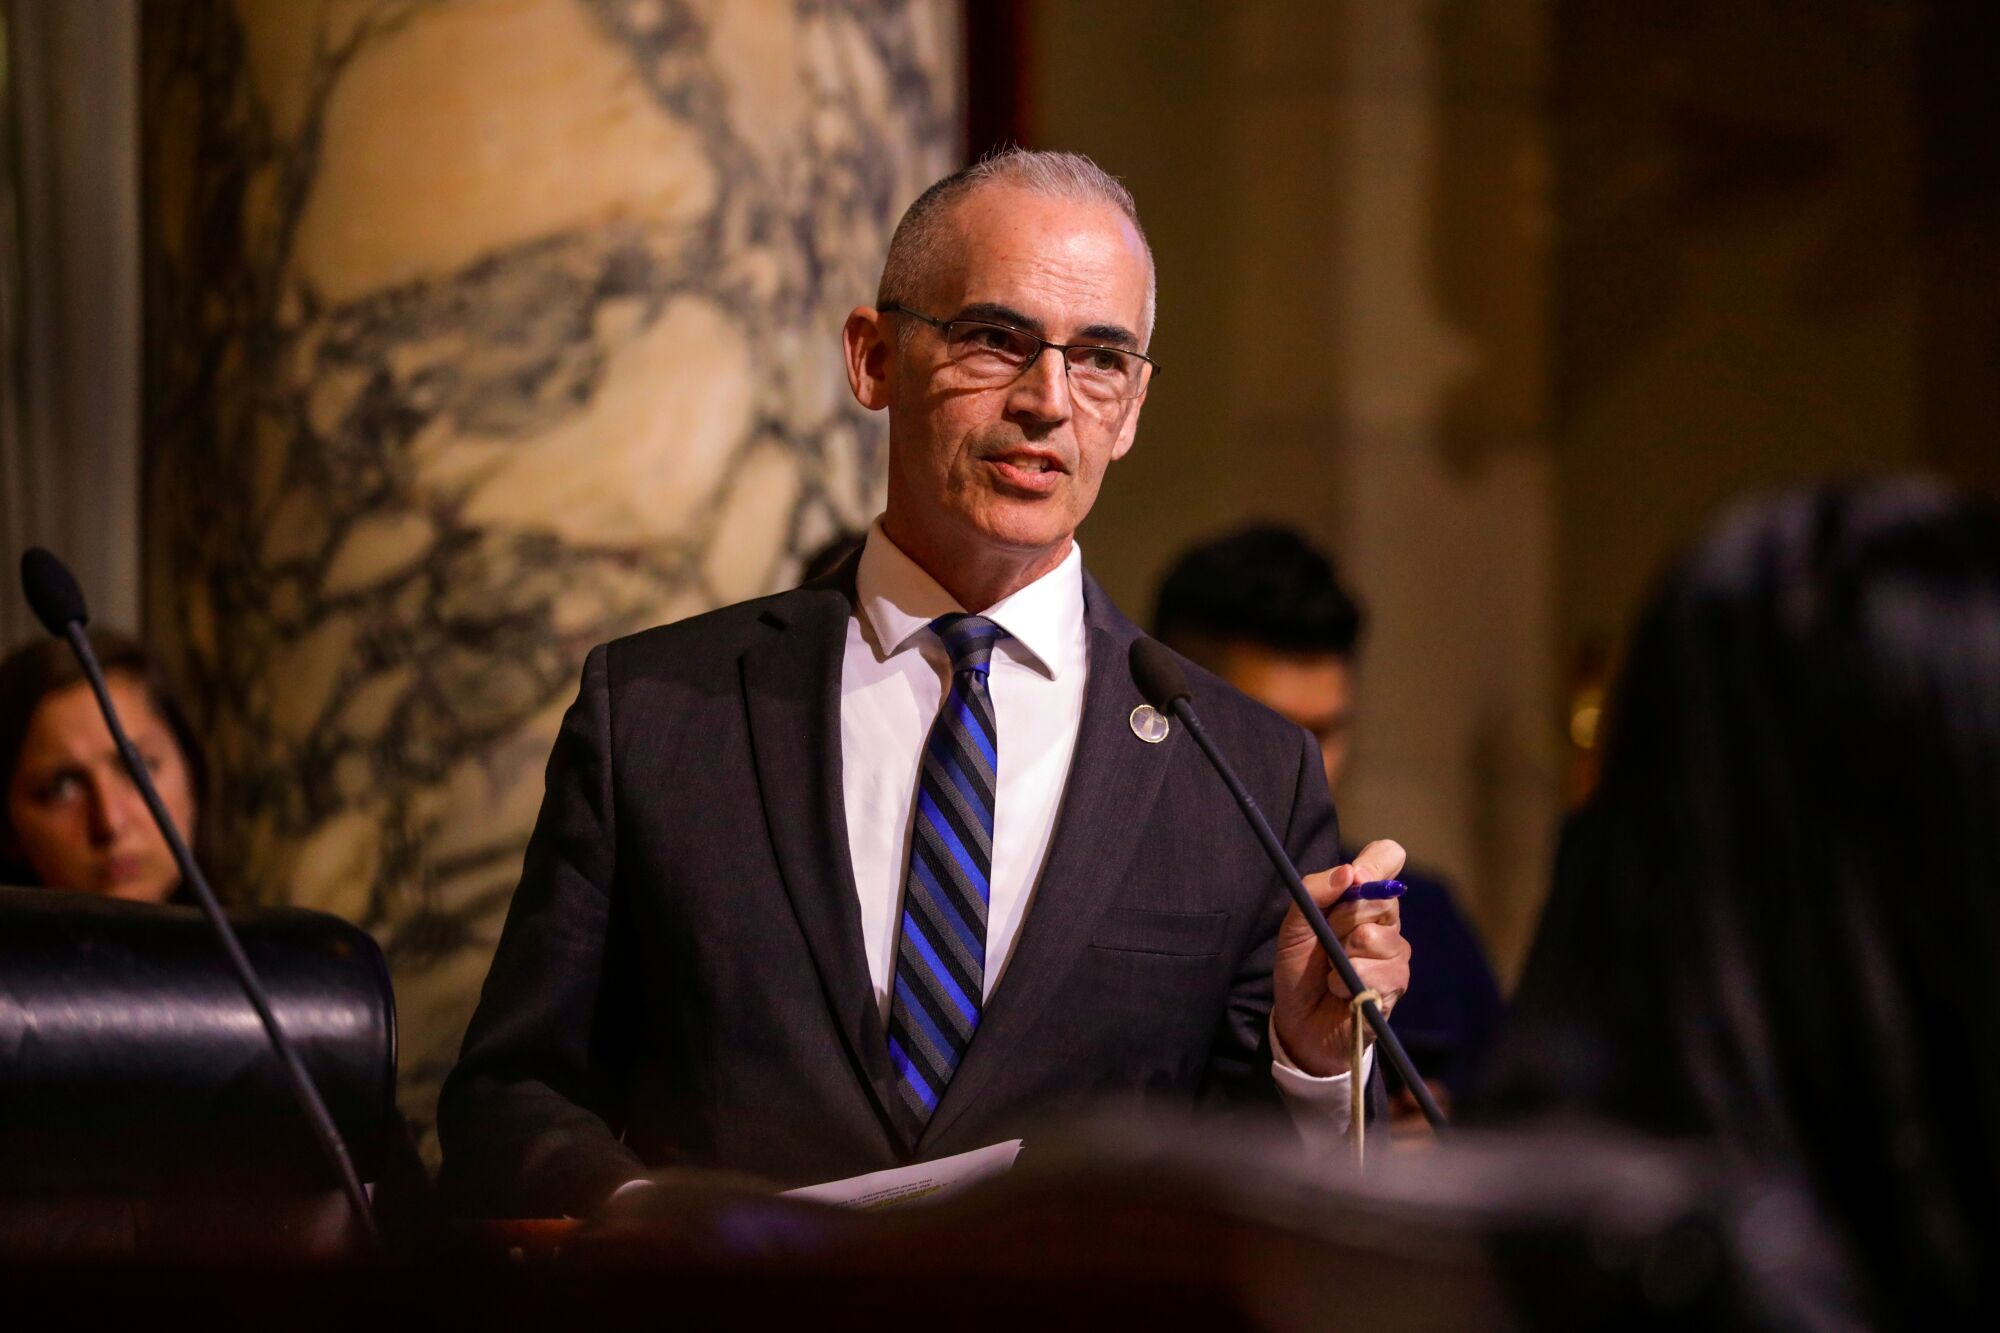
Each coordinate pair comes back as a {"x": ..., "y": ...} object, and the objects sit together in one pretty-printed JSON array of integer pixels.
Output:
[{"x": 1175, "y": 934}]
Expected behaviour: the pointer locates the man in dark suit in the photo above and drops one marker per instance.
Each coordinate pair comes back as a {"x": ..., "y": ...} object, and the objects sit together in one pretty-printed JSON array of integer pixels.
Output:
[{"x": 849, "y": 876}]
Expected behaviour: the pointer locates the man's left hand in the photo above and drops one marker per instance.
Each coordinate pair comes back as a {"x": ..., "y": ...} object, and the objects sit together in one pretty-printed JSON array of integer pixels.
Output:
[{"x": 1312, "y": 1009}]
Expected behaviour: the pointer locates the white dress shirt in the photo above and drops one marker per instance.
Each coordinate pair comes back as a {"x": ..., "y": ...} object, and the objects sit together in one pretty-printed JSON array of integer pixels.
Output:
[{"x": 893, "y": 680}]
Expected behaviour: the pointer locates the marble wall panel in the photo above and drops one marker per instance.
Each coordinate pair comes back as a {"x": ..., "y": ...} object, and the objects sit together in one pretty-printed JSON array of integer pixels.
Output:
[{"x": 478, "y": 332}]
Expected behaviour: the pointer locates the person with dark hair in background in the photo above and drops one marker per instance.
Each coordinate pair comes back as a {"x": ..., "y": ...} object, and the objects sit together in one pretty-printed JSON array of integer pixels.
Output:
[
  {"x": 71, "y": 817},
  {"x": 1265, "y": 610},
  {"x": 1773, "y": 925}
]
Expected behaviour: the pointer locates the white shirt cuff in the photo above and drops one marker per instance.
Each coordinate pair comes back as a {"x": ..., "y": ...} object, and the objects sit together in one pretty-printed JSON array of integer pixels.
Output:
[{"x": 1320, "y": 1106}]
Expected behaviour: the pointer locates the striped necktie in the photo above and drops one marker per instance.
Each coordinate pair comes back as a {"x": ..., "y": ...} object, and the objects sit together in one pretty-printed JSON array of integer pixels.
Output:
[{"x": 941, "y": 956}]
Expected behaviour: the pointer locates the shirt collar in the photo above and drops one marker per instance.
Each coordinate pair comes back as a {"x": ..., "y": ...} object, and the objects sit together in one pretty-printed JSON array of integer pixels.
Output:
[{"x": 899, "y": 601}]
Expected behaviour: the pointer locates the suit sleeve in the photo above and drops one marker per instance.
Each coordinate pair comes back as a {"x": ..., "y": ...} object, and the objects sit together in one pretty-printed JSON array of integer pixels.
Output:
[
  {"x": 527, "y": 1117},
  {"x": 1239, "y": 1065}
]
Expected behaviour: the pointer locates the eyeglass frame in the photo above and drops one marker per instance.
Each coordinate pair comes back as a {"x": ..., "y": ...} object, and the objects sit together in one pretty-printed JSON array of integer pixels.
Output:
[{"x": 894, "y": 308}]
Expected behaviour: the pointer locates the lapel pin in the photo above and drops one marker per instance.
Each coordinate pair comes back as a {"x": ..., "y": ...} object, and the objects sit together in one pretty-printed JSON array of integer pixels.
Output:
[{"x": 1149, "y": 724}]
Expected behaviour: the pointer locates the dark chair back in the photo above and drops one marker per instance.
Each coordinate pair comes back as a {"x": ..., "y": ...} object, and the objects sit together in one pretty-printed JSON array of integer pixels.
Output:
[{"x": 131, "y": 1063}]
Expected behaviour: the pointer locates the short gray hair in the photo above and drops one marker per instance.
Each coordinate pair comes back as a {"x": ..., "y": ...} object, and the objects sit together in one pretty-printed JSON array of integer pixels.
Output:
[{"x": 915, "y": 249}]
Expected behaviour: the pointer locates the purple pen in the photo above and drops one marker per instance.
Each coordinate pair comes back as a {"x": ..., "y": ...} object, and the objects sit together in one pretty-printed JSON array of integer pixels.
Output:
[{"x": 1374, "y": 889}]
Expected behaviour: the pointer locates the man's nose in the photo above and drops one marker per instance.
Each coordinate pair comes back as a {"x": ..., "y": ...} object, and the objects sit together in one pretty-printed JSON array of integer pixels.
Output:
[{"x": 1042, "y": 390}]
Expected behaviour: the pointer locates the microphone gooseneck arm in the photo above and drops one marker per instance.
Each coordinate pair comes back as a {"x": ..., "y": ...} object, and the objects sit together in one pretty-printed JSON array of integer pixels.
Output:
[
  {"x": 1162, "y": 682},
  {"x": 42, "y": 572}
]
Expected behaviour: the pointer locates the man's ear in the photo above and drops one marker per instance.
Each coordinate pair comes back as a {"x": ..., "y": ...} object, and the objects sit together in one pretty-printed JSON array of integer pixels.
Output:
[{"x": 864, "y": 340}]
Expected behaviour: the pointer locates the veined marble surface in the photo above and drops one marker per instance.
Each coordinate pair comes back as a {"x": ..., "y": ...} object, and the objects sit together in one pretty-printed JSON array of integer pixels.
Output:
[{"x": 479, "y": 332}]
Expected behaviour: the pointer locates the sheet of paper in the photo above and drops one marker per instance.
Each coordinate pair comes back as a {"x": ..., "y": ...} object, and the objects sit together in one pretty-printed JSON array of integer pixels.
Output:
[{"x": 926, "y": 1182}]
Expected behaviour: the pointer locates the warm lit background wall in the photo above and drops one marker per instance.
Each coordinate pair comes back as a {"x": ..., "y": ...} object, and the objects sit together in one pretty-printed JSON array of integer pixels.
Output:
[
  {"x": 1350, "y": 204},
  {"x": 1500, "y": 299},
  {"x": 69, "y": 298}
]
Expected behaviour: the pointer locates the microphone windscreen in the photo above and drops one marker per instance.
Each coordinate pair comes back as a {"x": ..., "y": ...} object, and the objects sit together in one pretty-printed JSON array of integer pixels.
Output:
[
  {"x": 1157, "y": 674},
  {"x": 52, "y": 591}
]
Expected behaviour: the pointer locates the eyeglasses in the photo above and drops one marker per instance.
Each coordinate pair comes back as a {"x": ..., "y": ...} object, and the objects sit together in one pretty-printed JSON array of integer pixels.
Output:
[{"x": 990, "y": 355}]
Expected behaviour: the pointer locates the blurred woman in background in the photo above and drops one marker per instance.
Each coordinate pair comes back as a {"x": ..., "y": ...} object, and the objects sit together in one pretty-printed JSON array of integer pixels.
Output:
[
  {"x": 72, "y": 818},
  {"x": 1776, "y": 925}
]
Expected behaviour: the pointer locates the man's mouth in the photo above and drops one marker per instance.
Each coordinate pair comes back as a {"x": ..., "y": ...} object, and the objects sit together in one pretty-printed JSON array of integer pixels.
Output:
[{"x": 1028, "y": 470}]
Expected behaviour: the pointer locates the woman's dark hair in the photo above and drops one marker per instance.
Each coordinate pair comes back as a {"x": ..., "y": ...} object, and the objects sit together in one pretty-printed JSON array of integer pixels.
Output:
[
  {"x": 44, "y": 666},
  {"x": 1774, "y": 925}
]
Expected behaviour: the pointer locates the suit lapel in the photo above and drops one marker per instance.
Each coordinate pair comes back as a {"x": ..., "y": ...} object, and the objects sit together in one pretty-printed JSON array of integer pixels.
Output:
[
  {"x": 791, "y": 687},
  {"x": 1114, "y": 779}
]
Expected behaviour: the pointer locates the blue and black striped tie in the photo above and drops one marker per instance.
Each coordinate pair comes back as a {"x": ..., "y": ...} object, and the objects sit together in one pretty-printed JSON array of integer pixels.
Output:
[{"x": 941, "y": 958}]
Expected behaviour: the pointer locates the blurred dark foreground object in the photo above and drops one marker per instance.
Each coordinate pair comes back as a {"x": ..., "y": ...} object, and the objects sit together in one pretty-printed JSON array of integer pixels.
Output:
[
  {"x": 1127, "y": 1227},
  {"x": 134, "y": 1072},
  {"x": 1772, "y": 927},
  {"x": 1578, "y": 1229}
]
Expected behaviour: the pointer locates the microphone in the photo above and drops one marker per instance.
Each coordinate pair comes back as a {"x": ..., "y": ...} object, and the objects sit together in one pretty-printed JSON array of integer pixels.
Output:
[
  {"x": 1164, "y": 685},
  {"x": 58, "y": 603},
  {"x": 52, "y": 592}
]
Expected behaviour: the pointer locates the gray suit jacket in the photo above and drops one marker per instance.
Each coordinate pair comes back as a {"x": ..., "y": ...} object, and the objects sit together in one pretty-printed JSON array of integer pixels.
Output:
[{"x": 681, "y": 977}]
